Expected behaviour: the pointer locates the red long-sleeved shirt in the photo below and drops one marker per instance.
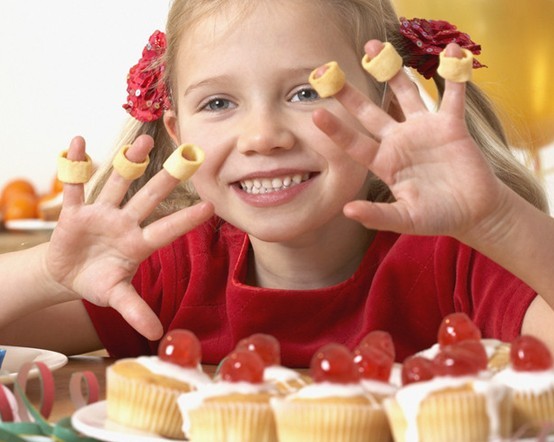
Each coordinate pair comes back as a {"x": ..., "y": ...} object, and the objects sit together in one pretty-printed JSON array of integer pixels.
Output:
[{"x": 404, "y": 285}]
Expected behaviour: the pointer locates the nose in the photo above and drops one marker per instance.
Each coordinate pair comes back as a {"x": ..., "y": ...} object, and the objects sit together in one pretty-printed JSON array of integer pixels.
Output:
[{"x": 264, "y": 132}]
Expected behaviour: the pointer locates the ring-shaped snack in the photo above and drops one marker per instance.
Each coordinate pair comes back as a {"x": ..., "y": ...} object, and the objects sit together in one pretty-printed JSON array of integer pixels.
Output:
[
  {"x": 455, "y": 69},
  {"x": 126, "y": 168},
  {"x": 385, "y": 64},
  {"x": 184, "y": 161},
  {"x": 330, "y": 82},
  {"x": 74, "y": 172}
]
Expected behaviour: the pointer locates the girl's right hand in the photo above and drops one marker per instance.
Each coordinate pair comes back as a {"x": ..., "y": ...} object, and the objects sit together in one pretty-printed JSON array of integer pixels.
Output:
[{"x": 96, "y": 248}]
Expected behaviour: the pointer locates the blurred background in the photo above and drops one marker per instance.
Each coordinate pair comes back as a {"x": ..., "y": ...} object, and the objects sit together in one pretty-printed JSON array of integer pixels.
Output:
[{"x": 64, "y": 65}]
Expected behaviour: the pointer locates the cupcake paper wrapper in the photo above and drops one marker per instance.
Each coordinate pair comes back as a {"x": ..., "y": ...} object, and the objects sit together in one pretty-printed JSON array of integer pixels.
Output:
[
  {"x": 328, "y": 422},
  {"x": 143, "y": 406},
  {"x": 448, "y": 417},
  {"x": 533, "y": 412},
  {"x": 232, "y": 422}
]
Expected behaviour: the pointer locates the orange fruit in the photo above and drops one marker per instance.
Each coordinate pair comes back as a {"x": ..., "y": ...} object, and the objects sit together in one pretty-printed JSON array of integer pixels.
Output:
[
  {"x": 20, "y": 206},
  {"x": 57, "y": 186},
  {"x": 16, "y": 186}
]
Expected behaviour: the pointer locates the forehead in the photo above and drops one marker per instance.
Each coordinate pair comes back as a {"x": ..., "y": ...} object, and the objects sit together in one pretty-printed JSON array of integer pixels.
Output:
[{"x": 270, "y": 30}]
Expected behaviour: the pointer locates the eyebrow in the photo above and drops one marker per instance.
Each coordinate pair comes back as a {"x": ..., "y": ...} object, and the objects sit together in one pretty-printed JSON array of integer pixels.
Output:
[{"x": 304, "y": 71}]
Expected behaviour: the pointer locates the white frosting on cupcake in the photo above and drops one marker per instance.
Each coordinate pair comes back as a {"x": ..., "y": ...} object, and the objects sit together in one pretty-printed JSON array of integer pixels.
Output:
[
  {"x": 533, "y": 382},
  {"x": 328, "y": 389},
  {"x": 279, "y": 373},
  {"x": 192, "y": 376}
]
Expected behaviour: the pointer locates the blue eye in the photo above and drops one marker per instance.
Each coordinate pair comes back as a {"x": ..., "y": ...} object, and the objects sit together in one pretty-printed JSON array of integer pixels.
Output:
[
  {"x": 217, "y": 104},
  {"x": 305, "y": 94}
]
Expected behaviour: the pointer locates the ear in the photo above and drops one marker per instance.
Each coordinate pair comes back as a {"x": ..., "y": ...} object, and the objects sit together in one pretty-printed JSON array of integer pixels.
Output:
[{"x": 171, "y": 123}]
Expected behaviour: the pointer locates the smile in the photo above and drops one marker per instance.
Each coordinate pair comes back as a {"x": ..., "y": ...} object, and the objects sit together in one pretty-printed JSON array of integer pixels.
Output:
[{"x": 259, "y": 186}]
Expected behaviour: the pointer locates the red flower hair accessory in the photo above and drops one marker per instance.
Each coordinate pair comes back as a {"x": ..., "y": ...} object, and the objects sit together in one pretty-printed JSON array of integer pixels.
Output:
[
  {"x": 426, "y": 39},
  {"x": 148, "y": 95}
]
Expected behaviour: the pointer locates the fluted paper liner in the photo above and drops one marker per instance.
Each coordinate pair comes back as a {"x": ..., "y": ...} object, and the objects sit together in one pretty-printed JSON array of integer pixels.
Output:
[
  {"x": 143, "y": 406},
  {"x": 232, "y": 421},
  {"x": 533, "y": 411},
  {"x": 313, "y": 421},
  {"x": 450, "y": 417}
]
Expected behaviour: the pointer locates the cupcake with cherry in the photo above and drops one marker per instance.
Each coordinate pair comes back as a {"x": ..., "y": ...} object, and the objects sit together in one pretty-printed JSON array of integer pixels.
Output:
[
  {"x": 233, "y": 408},
  {"x": 335, "y": 407},
  {"x": 530, "y": 377},
  {"x": 450, "y": 397},
  {"x": 284, "y": 379},
  {"x": 142, "y": 392}
]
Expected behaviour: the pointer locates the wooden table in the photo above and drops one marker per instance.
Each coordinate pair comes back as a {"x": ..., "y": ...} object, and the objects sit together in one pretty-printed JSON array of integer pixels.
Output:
[{"x": 19, "y": 240}]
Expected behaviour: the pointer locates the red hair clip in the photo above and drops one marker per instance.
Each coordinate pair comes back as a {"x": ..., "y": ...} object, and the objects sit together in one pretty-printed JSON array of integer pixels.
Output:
[
  {"x": 147, "y": 93},
  {"x": 426, "y": 39}
]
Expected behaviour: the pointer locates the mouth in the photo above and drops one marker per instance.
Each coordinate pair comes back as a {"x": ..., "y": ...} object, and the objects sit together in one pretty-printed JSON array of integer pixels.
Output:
[{"x": 258, "y": 186}]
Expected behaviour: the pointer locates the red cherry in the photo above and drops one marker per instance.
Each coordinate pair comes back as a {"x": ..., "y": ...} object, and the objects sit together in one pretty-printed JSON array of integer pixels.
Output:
[
  {"x": 381, "y": 339},
  {"x": 528, "y": 353},
  {"x": 457, "y": 327},
  {"x": 373, "y": 363},
  {"x": 454, "y": 361},
  {"x": 477, "y": 350},
  {"x": 416, "y": 369},
  {"x": 334, "y": 363},
  {"x": 180, "y": 347},
  {"x": 242, "y": 366},
  {"x": 265, "y": 345}
]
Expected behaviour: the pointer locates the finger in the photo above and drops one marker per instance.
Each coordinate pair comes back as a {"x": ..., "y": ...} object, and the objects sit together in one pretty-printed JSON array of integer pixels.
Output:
[
  {"x": 359, "y": 146},
  {"x": 401, "y": 84},
  {"x": 453, "y": 100},
  {"x": 117, "y": 186},
  {"x": 370, "y": 115},
  {"x": 143, "y": 203},
  {"x": 73, "y": 194},
  {"x": 378, "y": 216},
  {"x": 171, "y": 227},
  {"x": 136, "y": 312}
]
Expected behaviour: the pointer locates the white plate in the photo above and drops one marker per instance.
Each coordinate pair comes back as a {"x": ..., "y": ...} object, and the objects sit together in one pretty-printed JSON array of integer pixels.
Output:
[
  {"x": 92, "y": 421},
  {"x": 17, "y": 356},
  {"x": 29, "y": 224}
]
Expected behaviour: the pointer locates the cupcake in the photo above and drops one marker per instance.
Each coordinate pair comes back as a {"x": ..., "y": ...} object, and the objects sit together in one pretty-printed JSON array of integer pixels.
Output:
[
  {"x": 450, "y": 397},
  {"x": 285, "y": 380},
  {"x": 235, "y": 407},
  {"x": 335, "y": 407},
  {"x": 530, "y": 377},
  {"x": 142, "y": 392}
]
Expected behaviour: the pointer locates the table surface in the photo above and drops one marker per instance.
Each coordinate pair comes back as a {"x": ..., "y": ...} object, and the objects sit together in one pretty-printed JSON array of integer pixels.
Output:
[{"x": 19, "y": 240}]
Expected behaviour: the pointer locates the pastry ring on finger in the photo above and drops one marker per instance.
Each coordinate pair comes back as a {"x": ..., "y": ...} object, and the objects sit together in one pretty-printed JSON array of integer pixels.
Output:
[
  {"x": 184, "y": 161},
  {"x": 329, "y": 82},
  {"x": 74, "y": 172},
  {"x": 456, "y": 69},
  {"x": 126, "y": 168},
  {"x": 385, "y": 64}
]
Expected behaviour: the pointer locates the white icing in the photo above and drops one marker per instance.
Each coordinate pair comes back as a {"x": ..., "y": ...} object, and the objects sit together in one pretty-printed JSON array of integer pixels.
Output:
[
  {"x": 379, "y": 388},
  {"x": 529, "y": 382},
  {"x": 192, "y": 376},
  {"x": 410, "y": 397},
  {"x": 279, "y": 373}
]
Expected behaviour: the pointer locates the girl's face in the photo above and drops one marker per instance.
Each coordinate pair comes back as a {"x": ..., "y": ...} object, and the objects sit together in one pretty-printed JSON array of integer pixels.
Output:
[{"x": 243, "y": 96}]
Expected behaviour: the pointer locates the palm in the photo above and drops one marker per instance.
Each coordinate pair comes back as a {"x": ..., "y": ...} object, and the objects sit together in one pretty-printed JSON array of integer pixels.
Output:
[{"x": 96, "y": 249}]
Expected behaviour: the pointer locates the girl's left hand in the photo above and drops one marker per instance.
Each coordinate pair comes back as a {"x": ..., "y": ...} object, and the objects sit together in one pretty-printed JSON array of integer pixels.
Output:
[{"x": 441, "y": 182}]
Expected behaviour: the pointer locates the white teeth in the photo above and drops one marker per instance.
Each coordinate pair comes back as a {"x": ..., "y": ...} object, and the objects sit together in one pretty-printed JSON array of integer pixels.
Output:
[{"x": 267, "y": 185}]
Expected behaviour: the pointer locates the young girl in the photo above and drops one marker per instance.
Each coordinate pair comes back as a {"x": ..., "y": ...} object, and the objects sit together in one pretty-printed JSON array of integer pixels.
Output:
[{"x": 321, "y": 219}]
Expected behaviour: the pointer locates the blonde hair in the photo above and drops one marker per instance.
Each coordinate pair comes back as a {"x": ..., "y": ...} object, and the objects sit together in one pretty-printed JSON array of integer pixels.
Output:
[{"x": 359, "y": 21}]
